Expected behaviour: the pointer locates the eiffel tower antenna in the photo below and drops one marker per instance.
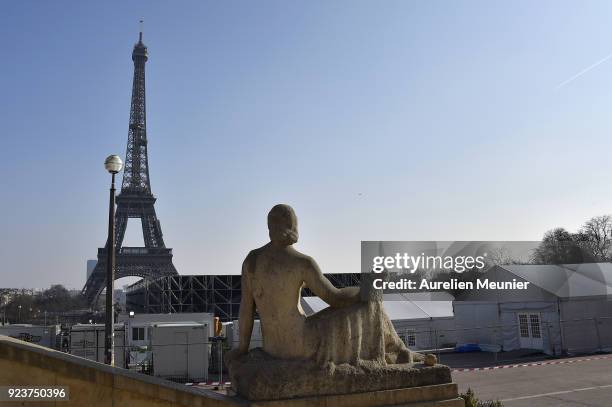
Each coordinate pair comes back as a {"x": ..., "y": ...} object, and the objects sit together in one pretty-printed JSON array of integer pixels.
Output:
[
  {"x": 141, "y": 29},
  {"x": 135, "y": 200}
]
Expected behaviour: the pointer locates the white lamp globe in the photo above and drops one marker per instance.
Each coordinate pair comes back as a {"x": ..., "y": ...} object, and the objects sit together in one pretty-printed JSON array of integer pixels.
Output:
[{"x": 113, "y": 164}]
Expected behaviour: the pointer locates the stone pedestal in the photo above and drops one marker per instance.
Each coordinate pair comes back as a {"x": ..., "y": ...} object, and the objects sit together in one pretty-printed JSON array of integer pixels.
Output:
[
  {"x": 440, "y": 395},
  {"x": 267, "y": 381}
]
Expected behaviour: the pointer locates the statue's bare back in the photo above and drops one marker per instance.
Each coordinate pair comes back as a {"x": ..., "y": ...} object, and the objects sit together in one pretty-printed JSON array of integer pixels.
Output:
[
  {"x": 349, "y": 330},
  {"x": 275, "y": 276}
]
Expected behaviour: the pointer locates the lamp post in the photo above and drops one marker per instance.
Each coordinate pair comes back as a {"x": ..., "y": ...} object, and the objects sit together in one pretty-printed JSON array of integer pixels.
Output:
[
  {"x": 19, "y": 315},
  {"x": 113, "y": 165}
]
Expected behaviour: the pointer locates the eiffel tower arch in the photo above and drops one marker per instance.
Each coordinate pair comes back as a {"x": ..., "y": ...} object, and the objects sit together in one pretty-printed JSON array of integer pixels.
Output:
[{"x": 135, "y": 201}]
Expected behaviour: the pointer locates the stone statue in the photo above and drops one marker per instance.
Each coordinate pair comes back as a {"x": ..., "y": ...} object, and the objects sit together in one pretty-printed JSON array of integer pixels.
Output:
[{"x": 344, "y": 344}]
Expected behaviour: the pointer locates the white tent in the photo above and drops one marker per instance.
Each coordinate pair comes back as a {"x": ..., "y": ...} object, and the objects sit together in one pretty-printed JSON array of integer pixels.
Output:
[{"x": 567, "y": 308}]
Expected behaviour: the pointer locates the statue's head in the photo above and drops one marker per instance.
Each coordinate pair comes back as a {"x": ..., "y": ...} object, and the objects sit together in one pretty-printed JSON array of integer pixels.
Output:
[{"x": 282, "y": 224}]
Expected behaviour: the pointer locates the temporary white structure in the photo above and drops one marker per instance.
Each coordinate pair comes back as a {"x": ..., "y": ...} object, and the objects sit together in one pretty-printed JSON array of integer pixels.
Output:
[
  {"x": 232, "y": 333},
  {"x": 180, "y": 351},
  {"x": 423, "y": 320},
  {"x": 138, "y": 330},
  {"x": 87, "y": 341},
  {"x": 566, "y": 309}
]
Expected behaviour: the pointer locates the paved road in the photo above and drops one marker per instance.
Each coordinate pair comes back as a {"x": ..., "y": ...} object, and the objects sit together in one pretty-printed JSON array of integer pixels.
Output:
[{"x": 583, "y": 383}]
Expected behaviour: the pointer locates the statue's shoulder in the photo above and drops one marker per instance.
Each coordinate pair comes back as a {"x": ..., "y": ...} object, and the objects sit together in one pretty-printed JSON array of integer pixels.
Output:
[
  {"x": 254, "y": 253},
  {"x": 251, "y": 259},
  {"x": 303, "y": 258}
]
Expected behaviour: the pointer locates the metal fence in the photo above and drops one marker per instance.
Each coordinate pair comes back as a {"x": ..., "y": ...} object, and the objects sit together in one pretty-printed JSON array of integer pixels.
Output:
[
  {"x": 554, "y": 338},
  {"x": 206, "y": 356}
]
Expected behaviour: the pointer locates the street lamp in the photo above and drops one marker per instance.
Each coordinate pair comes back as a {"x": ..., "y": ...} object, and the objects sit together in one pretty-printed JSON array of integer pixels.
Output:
[
  {"x": 19, "y": 315},
  {"x": 113, "y": 165}
]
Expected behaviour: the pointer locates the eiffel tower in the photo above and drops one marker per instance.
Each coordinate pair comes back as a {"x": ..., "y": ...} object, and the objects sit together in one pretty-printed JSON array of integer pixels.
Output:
[{"x": 134, "y": 201}]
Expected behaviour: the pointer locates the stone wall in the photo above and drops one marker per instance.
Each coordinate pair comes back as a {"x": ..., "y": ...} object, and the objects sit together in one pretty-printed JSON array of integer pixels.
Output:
[{"x": 95, "y": 384}]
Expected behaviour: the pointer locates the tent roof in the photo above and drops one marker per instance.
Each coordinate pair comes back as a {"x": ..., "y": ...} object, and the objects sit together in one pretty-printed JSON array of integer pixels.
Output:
[
  {"x": 567, "y": 280},
  {"x": 397, "y": 306}
]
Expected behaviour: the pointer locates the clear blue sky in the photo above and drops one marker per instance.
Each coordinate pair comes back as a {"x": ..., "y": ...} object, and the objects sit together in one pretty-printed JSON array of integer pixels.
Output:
[{"x": 395, "y": 120}]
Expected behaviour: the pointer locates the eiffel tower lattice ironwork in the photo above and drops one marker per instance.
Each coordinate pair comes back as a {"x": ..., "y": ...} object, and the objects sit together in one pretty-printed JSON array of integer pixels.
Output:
[{"x": 135, "y": 201}]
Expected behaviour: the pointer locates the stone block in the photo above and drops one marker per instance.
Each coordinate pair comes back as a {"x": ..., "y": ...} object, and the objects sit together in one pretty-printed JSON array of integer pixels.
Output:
[
  {"x": 258, "y": 376},
  {"x": 442, "y": 395}
]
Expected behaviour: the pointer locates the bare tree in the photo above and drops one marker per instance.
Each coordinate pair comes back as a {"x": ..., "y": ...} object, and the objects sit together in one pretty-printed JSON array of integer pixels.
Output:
[
  {"x": 597, "y": 235},
  {"x": 561, "y": 247}
]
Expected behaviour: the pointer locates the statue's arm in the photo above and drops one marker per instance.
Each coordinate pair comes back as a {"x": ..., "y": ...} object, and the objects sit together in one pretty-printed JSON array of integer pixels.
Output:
[
  {"x": 323, "y": 288},
  {"x": 247, "y": 310}
]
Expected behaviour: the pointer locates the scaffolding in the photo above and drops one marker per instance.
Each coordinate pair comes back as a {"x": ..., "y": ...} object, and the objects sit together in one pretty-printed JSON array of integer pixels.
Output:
[{"x": 217, "y": 294}]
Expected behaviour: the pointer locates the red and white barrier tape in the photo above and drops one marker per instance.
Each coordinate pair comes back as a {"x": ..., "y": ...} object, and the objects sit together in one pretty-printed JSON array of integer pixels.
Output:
[
  {"x": 209, "y": 384},
  {"x": 540, "y": 363}
]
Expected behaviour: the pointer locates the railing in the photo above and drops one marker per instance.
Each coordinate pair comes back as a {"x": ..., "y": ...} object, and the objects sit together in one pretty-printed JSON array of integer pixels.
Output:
[
  {"x": 144, "y": 250},
  {"x": 139, "y": 251}
]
